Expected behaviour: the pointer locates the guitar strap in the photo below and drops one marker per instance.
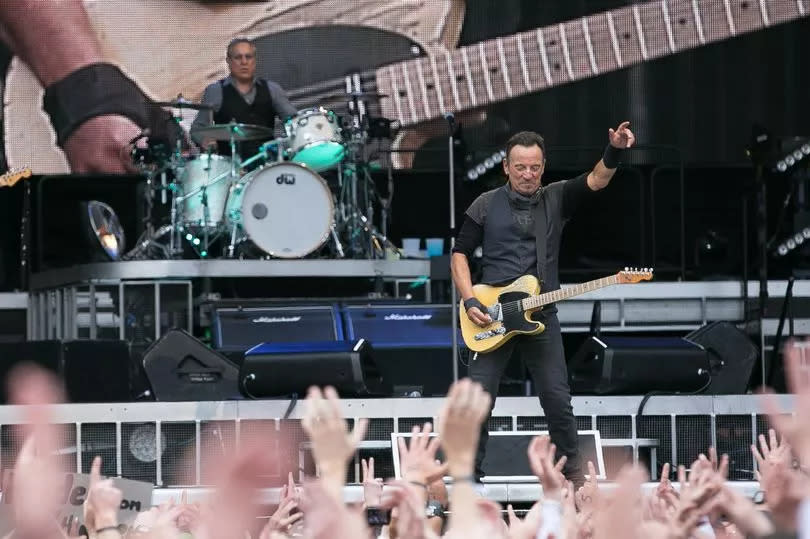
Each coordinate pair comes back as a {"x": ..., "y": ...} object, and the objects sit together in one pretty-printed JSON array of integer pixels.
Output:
[{"x": 541, "y": 234}]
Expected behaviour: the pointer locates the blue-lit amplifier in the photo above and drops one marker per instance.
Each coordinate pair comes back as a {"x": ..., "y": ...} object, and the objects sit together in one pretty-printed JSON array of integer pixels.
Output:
[
  {"x": 412, "y": 344},
  {"x": 240, "y": 328}
]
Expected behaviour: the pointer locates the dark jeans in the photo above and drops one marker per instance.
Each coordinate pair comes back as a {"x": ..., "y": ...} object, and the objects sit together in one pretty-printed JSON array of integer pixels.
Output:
[{"x": 544, "y": 357}]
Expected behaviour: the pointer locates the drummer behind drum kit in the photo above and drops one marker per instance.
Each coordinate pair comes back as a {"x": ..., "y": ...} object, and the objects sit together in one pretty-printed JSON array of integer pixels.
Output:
[{"x": 272, "y": 204}]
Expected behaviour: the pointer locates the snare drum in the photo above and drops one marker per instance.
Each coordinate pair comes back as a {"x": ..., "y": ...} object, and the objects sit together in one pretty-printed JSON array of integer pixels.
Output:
[
  {"x": 285, "y": 209},
  {"x": 213, "y": 172},
  {"x": 315, "y": 139}
]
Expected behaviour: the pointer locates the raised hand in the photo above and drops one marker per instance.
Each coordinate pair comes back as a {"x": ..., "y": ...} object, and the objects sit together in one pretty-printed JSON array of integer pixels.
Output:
[
  {"x": 621, "y": 137},
  {"x": 102, "y": 502},
  {"x": 526, "y": 528},
  {"x": 541, "y": 459},
  {"x": 372, "y": 486},
  {"x": 418, "y": 462},
  {"x": 586, "y": 494},
  {"x": 332, "y": 443},
  {"x": 795, "y": 429},
  {"x": 460, "y": 419},
  {"x": 771, "y": 455},
  {"x": 411, "y": 521},
  {"x": 281, "y": 520},
  {"x": 37, "y": 483}
]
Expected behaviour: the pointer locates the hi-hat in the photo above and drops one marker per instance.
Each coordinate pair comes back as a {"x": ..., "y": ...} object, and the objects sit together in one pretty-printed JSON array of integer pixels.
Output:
[
  {"x": 239, "y": 132},
  {"x": 184, "y": 104},
  {"x": 359, "y": 95}
]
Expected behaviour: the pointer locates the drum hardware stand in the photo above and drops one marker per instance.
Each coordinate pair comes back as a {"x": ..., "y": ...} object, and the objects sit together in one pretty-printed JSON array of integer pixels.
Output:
[
  {"x": 350, "y": 175},
  {"x": 451, "y": 125},
  {"x": 336, "y": 239}
]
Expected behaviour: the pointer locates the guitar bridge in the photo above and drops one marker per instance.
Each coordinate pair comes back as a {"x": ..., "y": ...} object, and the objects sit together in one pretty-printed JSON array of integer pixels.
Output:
[{"x": 500, "y": 330}]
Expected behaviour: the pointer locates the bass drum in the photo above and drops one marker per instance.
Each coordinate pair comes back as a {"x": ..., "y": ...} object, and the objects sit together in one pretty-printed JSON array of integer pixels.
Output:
[{"x": 285, "y": 209}]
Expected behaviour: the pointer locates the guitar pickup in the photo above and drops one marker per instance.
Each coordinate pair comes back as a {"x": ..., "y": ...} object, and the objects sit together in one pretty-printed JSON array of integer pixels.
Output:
[
  {"x": 495, "y": 312},
  {"x": 500, "y": 330}
]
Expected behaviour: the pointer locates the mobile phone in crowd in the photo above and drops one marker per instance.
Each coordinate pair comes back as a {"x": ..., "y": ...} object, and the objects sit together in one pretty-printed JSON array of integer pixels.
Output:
[{"x": 376, "y": 516}]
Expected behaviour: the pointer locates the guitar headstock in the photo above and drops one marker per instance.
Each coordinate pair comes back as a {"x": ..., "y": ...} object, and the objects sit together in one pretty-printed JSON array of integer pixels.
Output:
[
  {"x": 13, "y": 176},
  {"x": 634, "y": 275}
]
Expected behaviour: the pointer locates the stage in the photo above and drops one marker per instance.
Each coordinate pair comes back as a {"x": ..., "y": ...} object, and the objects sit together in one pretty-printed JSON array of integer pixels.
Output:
[{"x": 58, "y": 297}]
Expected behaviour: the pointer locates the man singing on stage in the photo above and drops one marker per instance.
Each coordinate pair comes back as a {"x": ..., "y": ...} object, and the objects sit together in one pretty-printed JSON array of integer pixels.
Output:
[{"x": 506, "y": 222}]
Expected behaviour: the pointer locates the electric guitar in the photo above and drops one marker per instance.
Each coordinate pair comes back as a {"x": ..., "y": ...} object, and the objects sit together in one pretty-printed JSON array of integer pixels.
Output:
[
  {"x": 403, "y": 49},
  {"x": 511, "y": 306},
  {"x": 13, "y": 176}
]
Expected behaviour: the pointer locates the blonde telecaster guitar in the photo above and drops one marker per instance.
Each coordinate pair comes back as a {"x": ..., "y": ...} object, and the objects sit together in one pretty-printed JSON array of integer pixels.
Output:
[
  {"x": 13, "y": 176},
  {"x": 176, "y": 46},
  {"x": 511, "y": 307}
]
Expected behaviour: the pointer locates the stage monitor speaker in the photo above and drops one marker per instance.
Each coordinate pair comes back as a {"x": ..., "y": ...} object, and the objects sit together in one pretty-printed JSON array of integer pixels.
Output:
[
  {"x": 181, "y": 368},
  {"x": 281, "y": 369},
  {"x": 412, "y": 345},
  {"x": 732, "y": 356},
  {"x": 92, "y": 371},
  {"x": 237, "y": 329},
  {"x": 638, "y": 365}
]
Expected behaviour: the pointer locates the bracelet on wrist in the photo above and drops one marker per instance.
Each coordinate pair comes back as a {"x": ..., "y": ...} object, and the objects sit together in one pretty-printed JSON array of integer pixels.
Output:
[
  {"x": 463, "y": 479},
  {"x": 611, "y": 156},
  {"x": 418, "y": 484},
  {"x": 107, "y": 529}
]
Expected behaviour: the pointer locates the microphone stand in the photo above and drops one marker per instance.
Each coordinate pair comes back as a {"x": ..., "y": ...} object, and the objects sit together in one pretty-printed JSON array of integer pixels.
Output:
[{"x": 451, "y": 124}]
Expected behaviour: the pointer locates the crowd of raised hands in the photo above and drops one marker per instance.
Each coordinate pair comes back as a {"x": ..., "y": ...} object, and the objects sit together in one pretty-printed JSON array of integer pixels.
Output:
[{"x": 700, "y": 504}]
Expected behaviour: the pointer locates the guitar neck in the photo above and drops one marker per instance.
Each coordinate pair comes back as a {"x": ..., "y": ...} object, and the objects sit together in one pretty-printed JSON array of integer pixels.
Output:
[
  {"x": 535, "y": 302},
  {"x": 491, "y": 71}
]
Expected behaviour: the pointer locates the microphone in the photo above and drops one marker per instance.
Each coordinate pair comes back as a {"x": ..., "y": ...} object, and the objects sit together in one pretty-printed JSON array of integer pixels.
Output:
[
  {"x": 143, "y": 134},
  {"x": 451, "y": 121}
]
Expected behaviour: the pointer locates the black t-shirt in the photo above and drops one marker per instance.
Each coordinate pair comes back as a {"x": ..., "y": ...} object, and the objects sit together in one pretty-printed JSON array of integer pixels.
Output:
[{"x": 520, "y": 258}]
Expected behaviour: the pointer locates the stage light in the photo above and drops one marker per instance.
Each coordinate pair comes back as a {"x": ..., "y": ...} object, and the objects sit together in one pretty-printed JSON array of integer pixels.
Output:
[
  {"x": 143, "y": 443},
  {"x": 486, "y": 165},
  {"x": 793, "y": 157},
  {"x": 106, "y": 228},
  {"x": 792, "y": 242}
]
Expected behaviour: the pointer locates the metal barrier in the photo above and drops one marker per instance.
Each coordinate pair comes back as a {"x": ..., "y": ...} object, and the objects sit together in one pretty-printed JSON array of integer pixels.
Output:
[{"x": 678, "y": 428}]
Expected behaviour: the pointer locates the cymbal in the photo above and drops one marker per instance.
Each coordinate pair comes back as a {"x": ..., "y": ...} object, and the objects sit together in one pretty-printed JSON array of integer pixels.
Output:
[
  {"x": 240, "y": 132},
  {"x": 184, "y": 104},
  {"x": 359, "y": 95}
]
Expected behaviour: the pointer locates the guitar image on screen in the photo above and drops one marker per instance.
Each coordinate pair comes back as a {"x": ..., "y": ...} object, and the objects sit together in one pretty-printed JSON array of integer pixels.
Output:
[
  {"x": 10, "y": 178},
  {"x": 317, "y": 49}
]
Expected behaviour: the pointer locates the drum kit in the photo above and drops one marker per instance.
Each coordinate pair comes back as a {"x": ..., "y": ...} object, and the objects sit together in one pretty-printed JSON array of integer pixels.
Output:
[{"x": 274, "y": 204}]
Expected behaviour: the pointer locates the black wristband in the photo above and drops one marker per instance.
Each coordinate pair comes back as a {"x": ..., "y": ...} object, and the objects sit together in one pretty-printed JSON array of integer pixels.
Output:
[
  {"x": 473, "y": 302},
  {"x": 90, "y": 91},
  {"x": 612, "y": 156}
]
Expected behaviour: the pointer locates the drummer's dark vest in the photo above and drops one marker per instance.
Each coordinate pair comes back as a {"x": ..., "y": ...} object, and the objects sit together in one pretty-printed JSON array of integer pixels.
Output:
[{"x": 234, "y": 107}]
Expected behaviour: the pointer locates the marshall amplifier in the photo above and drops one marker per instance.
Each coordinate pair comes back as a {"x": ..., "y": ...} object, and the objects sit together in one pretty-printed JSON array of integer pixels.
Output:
[
  {"x": 412, "y": 345},
  {"x": 237, "y": 329}
]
